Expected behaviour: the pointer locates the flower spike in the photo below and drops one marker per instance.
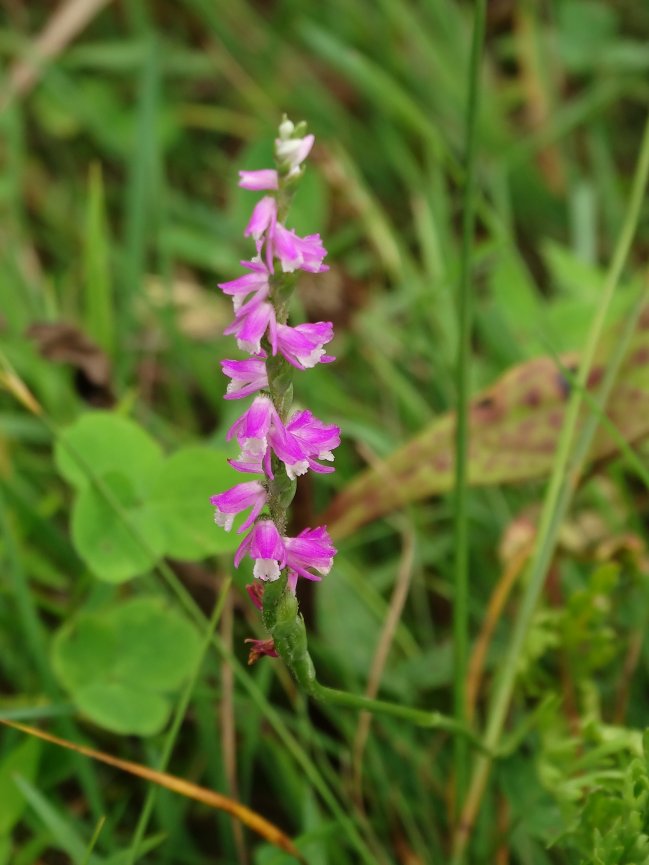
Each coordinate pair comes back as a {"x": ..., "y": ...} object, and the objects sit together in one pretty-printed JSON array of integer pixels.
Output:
[{"x": 270, "y": 435}]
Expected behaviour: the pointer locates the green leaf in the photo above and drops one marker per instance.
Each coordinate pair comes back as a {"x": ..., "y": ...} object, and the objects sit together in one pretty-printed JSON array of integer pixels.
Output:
[
  {"x": 24, "y": 761},
  {"x": 180, "y": 496},
  {"x": 119, "y": 664},
  {"x": 134, "y": 506},
  {"x": 6, "y": 850},
  {"x": 123, "y": 708},
  {"x": 114, "y": 532},
  {"x": 102, "y": 442},
  {"x": 165, "y": 648}
]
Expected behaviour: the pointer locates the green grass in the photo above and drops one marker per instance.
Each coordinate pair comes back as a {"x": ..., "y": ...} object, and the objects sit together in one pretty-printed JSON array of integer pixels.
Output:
[{"x": 119, "y": 213}]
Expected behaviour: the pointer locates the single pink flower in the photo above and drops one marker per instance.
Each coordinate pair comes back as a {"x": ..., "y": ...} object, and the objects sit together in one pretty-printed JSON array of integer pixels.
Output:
[
  {"x": 289, "y": 450},
  {"x": 251, "y": 494},
  {"x": 253, "y": 320},
  {"x": 316, "y": 439},
  {"x": 297, "y": 253},
  {"x": 246, "y": 376},
  {"x": 240, "y": 288},
  {"x": 252, "y": 428},
  {"x": 302, "y": 346},
  {"x": 264, "y": 178},
  {"x": 311, "y": 549},
  {"x": 263, "y": 218},
  {"x": 301, "y": 442},
  {"x": 263, "y": 544}
]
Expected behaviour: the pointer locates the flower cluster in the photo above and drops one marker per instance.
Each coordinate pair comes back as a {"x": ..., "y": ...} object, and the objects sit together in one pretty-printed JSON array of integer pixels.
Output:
[{"x": 276, "y": 443}]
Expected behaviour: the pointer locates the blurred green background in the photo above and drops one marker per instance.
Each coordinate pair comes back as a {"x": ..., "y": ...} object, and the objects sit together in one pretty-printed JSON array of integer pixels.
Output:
[{"x": 122, "y": 128}]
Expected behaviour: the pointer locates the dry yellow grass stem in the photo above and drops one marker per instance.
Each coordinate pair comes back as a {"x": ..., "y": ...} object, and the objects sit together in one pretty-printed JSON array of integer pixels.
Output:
[{"x": 188, "y": 789}]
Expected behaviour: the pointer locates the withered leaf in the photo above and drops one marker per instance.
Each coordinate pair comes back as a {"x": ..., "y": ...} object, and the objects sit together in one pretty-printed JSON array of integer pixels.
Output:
[
  {"x": 66, "y": 344},
  {"x": 514, "y": 429}
]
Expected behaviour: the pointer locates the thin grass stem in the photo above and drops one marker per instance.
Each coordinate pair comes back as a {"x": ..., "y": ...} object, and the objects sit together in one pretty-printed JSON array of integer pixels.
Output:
[{"x": 460, "y": 505}]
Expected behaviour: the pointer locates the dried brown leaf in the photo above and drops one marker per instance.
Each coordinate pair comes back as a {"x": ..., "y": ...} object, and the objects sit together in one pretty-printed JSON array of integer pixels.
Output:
[
  {"x": 514, "y": 428},
  {"x": 65, "y": 343}
]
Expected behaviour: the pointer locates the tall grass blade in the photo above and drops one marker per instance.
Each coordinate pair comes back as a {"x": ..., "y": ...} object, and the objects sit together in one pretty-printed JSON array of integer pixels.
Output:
[{"x": 461, "y": 503}]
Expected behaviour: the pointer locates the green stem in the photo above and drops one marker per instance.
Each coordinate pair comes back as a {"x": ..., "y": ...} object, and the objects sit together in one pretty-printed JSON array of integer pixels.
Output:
[
  {"x": 286, "y": 626},
  {"x": 461, "y": 519},
  {"x": 418, "y": 717},
  {"x": 179, "y": 715},
  {"x": 93, "y": 841},
  {"x": 566, "y": 469}
]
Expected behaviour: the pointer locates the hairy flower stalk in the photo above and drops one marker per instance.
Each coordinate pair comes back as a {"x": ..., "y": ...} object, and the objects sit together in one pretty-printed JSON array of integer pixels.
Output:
[{"x": 277, "y": 444}]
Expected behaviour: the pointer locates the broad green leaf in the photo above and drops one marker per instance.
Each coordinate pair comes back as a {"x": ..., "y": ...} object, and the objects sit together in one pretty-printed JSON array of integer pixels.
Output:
[
  {"x": 83, "y": 649},
  {"x": 114, "y": 532},
  {"x": 123, "y": 708},
  {"x": 5, "y": 850},
  {"x": 102, "y": 442},
  {"x": 134, "y": 506},
  {"x": 166, "y": 647},
  {"x": 24, "y": 761},
  {"x": 119, "y": 664},
  {"x": 514, "y": 429},
  {"x": 179, "y": 499}
]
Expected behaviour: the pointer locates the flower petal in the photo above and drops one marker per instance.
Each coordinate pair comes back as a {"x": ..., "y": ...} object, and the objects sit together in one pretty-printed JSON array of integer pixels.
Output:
[{"x": 264, "y": 178}]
